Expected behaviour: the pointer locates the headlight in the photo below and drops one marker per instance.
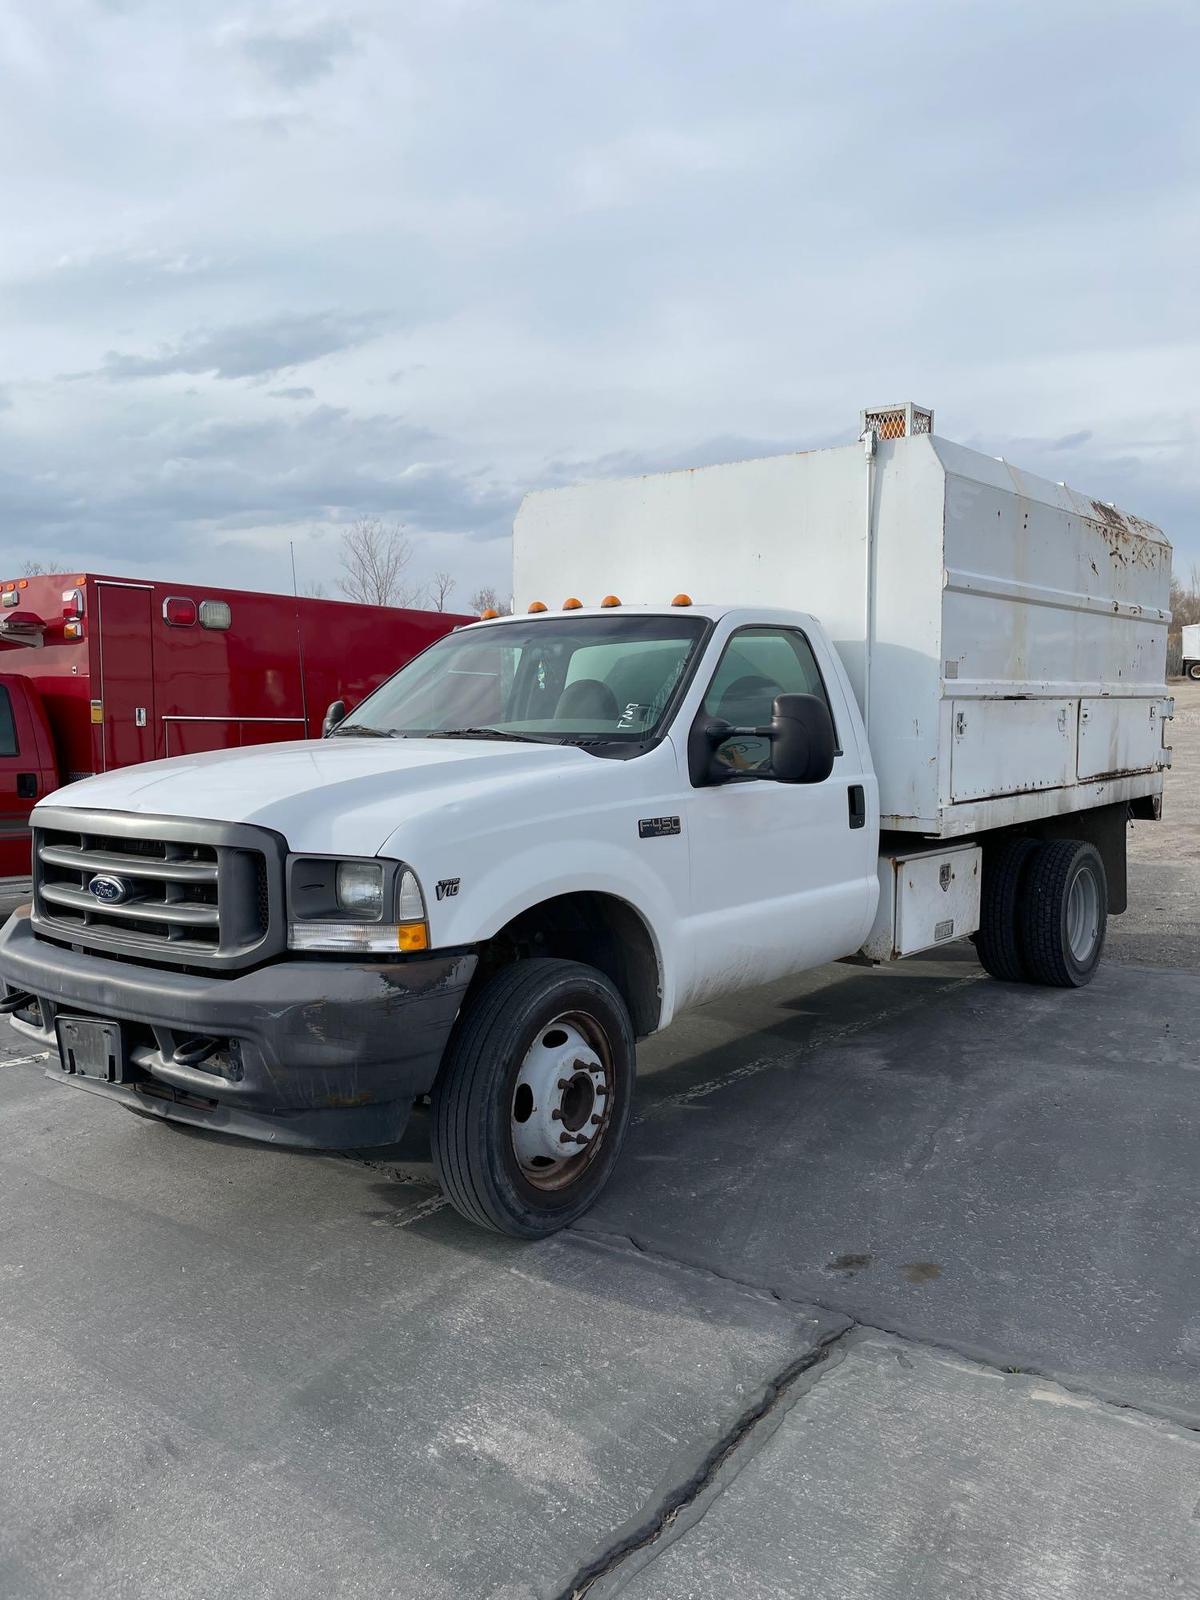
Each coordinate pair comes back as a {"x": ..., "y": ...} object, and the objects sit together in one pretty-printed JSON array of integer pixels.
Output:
[
  {"x": 355, "y": 905},
  {"x": 358, "y": 888}
]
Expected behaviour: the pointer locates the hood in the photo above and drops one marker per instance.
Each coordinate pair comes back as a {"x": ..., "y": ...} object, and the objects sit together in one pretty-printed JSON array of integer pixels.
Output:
[{"x": 337, "y": 796}]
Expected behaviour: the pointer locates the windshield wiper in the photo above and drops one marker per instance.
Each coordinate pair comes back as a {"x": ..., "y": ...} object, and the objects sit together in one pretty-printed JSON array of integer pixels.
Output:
[
  {"x": 362, "y": 731},
  {"x": 483, "y": 733}
]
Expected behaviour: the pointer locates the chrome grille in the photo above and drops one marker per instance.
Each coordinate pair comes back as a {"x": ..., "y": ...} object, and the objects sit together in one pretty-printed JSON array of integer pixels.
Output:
[{"x": 183, "y": 892}]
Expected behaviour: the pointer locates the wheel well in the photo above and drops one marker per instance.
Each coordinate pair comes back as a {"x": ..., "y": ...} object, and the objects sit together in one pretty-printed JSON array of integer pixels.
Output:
[
  {"x": 1102, "y": 826},
  {"x": 598, "y": 929}
]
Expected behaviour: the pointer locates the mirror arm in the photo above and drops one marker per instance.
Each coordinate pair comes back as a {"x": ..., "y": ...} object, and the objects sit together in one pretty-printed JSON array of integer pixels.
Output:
[{"x": 724, "y": 730}]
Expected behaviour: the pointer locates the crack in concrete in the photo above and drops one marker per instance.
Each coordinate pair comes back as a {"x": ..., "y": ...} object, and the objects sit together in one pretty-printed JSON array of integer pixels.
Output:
[
  {"x": 651, "y": 1526},
  {"x": 783, "y": 1390}
]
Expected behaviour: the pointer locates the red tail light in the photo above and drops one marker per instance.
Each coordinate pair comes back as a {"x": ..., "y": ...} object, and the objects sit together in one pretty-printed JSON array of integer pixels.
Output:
[{"x": 179, "y": 611}]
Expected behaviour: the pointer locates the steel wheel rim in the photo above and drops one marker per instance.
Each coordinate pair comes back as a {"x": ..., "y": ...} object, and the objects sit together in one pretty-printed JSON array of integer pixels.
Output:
[
  {"x": 1083, "y": 914},
  {"x": 562, "y": 1101}
]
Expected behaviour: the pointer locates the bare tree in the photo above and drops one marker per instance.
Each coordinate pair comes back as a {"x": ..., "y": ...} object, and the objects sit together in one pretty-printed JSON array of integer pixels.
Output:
[
  {"x": 439, "y": 590},
  {"x": 1185, "y": 599},
  {"x": 486, "y": 598},
  {"x": 35, "y": 569},
  {"x": 314, "y": 589},
  {"x": 374, "y": 560}
]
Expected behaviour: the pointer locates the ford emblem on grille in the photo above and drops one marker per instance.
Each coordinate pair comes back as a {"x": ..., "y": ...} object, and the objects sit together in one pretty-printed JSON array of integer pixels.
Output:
[{"x": 109, "y": 889}]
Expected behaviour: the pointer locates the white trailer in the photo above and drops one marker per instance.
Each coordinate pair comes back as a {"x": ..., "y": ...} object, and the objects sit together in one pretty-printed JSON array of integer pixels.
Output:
[
  {"x": 855, "y": 704},
  {"x": 1191, "y": 649}
]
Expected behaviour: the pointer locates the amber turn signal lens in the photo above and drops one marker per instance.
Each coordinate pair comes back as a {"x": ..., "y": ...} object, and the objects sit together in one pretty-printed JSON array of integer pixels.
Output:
[
  {"x": 610, "y": 600},
  {"x": 682, "y": 600},
  {"x": 572, "y": 605}
]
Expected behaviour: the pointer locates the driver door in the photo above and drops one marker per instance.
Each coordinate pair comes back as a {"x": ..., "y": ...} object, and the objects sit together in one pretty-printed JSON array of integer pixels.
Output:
[{"x": 783, "y": 874}]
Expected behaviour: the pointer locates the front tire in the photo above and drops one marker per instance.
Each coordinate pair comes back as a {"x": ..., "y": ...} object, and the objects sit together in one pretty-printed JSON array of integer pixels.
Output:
[
  {"x": 1193, "y": 670},
  {"x": 1064, "y": 913},
  {"x": 532, "y": 1103}
]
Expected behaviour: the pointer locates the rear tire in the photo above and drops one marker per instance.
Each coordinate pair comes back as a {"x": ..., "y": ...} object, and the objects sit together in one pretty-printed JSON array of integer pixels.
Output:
[
  {"x": 545, "y": 1053},
  {"x": 1193, "y": 670},
  {"x": 998, "y": 942},
  {"x": 1064, "y": 913}
]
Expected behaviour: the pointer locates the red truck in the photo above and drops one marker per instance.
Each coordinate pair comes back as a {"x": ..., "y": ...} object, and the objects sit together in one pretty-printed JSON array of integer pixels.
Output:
[{"x": 99, "y": 672}]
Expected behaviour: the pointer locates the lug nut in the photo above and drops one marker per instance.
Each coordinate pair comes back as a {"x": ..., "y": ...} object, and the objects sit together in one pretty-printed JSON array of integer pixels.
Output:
[
  {"x": 556, "y": 1115},
  {"x": 595, "y": 1122},
  {"x": 566, "y": 1138},
  {"x": 563, "y": 1084}
]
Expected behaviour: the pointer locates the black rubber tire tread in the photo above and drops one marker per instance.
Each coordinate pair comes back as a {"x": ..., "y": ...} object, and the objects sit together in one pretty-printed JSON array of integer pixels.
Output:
[
  {"x": 469, "y": 1167},
  {"x": 998, "y": 942},
  {"x": 1043, "y": 913}
]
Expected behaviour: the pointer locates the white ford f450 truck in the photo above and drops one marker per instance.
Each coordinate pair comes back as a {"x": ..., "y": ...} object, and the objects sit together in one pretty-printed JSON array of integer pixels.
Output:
[{"x": 918, "y": 697}]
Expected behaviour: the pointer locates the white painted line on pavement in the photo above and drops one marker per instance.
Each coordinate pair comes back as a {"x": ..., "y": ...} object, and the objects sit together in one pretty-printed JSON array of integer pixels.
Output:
[{"x": 23, "y": 1061}]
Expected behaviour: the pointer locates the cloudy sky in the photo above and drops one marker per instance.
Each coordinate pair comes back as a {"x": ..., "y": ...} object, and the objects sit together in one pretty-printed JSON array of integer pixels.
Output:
[{"x": 267, "y": 267}]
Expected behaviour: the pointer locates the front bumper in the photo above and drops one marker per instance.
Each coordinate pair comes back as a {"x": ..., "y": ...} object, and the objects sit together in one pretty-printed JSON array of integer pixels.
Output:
[{"x": 319, "y": 1054}]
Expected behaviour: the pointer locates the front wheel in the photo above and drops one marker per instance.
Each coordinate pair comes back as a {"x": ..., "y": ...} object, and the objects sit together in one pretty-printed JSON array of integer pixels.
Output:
[
  {"x": 533, "y": 1099},
  {"x": 1193, "y": 670}
]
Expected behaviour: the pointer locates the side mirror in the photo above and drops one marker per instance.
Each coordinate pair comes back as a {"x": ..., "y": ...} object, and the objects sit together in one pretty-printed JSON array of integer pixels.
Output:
[
  {"x": 803, "y": 742},
  {"x": 335, "y": 714}
]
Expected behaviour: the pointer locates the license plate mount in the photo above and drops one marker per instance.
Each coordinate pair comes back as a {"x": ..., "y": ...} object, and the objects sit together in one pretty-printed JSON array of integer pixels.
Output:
[{"x": 90, "y": 1048}]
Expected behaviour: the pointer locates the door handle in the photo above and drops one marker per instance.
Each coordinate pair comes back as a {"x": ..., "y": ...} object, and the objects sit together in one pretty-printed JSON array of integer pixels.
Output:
[
  {"x": 858, "y": 805},
  {"x": 27, "y": 785}
]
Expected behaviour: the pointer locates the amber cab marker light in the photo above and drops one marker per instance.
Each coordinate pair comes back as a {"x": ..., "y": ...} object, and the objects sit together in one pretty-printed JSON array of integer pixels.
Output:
[
  {"x": 610, "y": 600},
  {"x": 572, "y": 604},
  {"x": 486, "y": 616},
  {"x": 22, "y": 583},
  {"x": 538, "y": 605},
  {"x": 682, "y": 600}
]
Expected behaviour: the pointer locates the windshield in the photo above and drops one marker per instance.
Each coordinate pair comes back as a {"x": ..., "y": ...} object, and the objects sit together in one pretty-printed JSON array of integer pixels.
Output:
[{"x": 554, "y": 679}]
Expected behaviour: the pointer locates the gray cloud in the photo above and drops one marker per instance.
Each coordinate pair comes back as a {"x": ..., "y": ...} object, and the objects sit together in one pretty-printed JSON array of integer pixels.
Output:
[
  {"x": 300, "y": 393},
  {"x": 185, "y": 480},
  {"x": 1072, "y": 441},
  {"x": 94, "y": 278},
  {"x": 250, "y": 350},
  {"x": 294, "y": 60}
]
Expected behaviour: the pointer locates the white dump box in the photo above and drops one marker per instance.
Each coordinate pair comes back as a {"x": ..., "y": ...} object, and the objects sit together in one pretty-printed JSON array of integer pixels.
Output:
[{"x": 1005, "y": 635}]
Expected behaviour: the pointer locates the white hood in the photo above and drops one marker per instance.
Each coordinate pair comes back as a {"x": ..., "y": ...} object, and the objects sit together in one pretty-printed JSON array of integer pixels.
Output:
[{"x": 344, "y": 795}]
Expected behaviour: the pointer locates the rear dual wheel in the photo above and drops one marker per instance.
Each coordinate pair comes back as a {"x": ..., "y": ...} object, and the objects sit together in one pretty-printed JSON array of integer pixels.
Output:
[
  {"x": 1043, "y": 912},
  {"x": 533, "y": 1100}
]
